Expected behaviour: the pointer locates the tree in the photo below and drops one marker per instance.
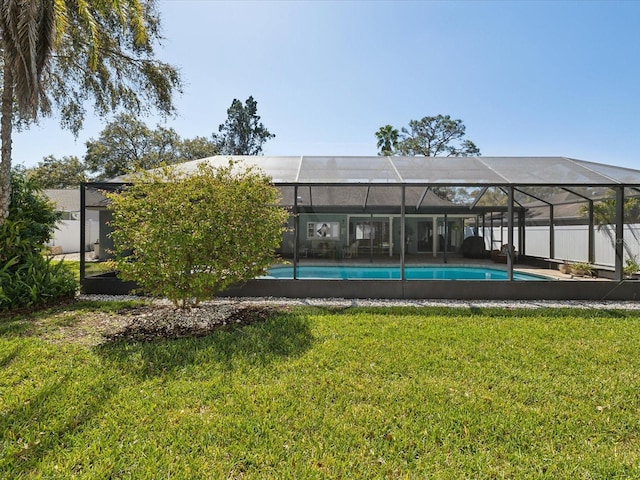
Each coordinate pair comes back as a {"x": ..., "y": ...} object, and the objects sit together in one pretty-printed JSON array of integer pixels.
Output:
[
  {"x": 387, "y": 140},
  {"x": 188, "y": 237},
  {"x": 67, "y": 172},
  {"x": 604, "y": 212},
  {"x": 64, "y": 53},
  {"x": 127, "y": 143},
  {"x": 242, "y": 133},
  {"x": 436, "y": 136},
  {"x": 430, "y": 137},
  {"x": 604, "y": 216},
  {"x": 195, "y": 148}
]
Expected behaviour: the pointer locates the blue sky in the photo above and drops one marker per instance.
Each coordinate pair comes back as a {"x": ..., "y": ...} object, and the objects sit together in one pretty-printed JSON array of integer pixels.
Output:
[{"x": 526, "y": 78}]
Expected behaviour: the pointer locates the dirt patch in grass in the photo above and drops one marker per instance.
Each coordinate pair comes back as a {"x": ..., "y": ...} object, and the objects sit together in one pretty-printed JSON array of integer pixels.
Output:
[{"x": 144, "y": 323}]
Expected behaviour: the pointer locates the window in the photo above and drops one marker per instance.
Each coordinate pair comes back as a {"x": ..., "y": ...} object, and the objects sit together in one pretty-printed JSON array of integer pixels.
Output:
[{"x": 323, "y": 230}]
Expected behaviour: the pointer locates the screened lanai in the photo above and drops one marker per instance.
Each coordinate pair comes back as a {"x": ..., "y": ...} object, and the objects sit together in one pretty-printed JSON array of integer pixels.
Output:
[{"x": 404, "y": 211}]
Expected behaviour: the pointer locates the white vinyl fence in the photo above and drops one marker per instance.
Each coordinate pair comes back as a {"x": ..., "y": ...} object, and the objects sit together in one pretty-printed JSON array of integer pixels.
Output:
[
  {"x": 67, "y": 235},
  {"x": 572, "y": 242}
]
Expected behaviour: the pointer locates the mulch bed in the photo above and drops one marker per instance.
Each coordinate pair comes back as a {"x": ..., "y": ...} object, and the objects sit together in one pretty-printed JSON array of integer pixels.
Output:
[{"x": 154, "y": 322}]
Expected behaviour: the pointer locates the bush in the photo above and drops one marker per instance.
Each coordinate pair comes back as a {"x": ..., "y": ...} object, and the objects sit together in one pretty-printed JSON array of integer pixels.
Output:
[
  {"x": 27, "y": 277},
  {"x": 187, "y": 237},
  {"x": 583, "y": 269},
  {"x": 631, "y": 266}
]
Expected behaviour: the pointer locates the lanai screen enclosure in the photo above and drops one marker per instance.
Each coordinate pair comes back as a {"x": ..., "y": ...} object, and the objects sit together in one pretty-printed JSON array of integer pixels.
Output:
[{"x": 424, "y": 210}]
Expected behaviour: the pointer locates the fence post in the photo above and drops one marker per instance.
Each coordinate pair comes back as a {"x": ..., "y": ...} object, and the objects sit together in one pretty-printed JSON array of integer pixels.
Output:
[{"x": 619, "y": 233}]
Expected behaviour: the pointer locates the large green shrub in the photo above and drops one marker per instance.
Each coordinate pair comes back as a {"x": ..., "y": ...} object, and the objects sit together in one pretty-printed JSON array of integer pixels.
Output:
[
  {"x": 27, "y": 277},
  {"x": 186, "y": 237},
  {"x": 31, "y": 207}
]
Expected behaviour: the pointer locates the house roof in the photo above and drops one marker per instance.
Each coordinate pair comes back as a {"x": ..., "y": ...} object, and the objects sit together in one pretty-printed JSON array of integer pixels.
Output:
[{"x": 65, "y": 200}]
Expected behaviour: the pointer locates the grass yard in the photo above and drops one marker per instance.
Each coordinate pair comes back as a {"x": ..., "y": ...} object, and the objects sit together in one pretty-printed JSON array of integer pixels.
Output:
[
  {"x": 322, "y": 393},
  {"x": 91, "y": 268}
]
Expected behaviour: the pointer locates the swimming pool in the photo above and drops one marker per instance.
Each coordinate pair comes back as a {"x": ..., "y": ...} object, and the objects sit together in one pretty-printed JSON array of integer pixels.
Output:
[{"x": 431, "y": 272}]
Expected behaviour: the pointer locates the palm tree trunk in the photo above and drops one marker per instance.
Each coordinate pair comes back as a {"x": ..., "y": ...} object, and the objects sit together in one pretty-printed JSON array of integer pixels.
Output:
[{"x": 6, "y": 126}]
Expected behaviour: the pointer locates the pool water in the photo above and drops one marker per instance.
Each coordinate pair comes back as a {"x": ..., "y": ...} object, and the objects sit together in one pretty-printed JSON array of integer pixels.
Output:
[{"x": 356, "y": 272}]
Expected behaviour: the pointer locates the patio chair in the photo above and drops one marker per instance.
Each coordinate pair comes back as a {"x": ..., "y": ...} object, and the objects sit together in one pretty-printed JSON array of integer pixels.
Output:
[
  {"x": 500, "y": 256},
  {"x": 352, "y": 250}
]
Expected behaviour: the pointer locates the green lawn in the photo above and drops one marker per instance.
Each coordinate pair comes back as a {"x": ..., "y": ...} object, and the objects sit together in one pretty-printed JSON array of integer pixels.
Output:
[
  {"x": 91, "y": 268},
  {"x": 320, "y": 393}
]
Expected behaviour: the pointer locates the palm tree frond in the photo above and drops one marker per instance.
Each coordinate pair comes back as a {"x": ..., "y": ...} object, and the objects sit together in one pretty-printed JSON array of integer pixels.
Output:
[{"x": 27, "y": 28}]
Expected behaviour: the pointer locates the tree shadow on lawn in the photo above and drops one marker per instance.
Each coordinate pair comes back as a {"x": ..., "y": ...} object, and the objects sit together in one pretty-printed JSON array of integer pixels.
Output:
[
  {"x": 7, "y": 359},
  {"x": 28, "y": 438},
  {"x": 35, "y": 321},
  {"x": 13, "y": 327},
  {"x": 280, "y": 336}
]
